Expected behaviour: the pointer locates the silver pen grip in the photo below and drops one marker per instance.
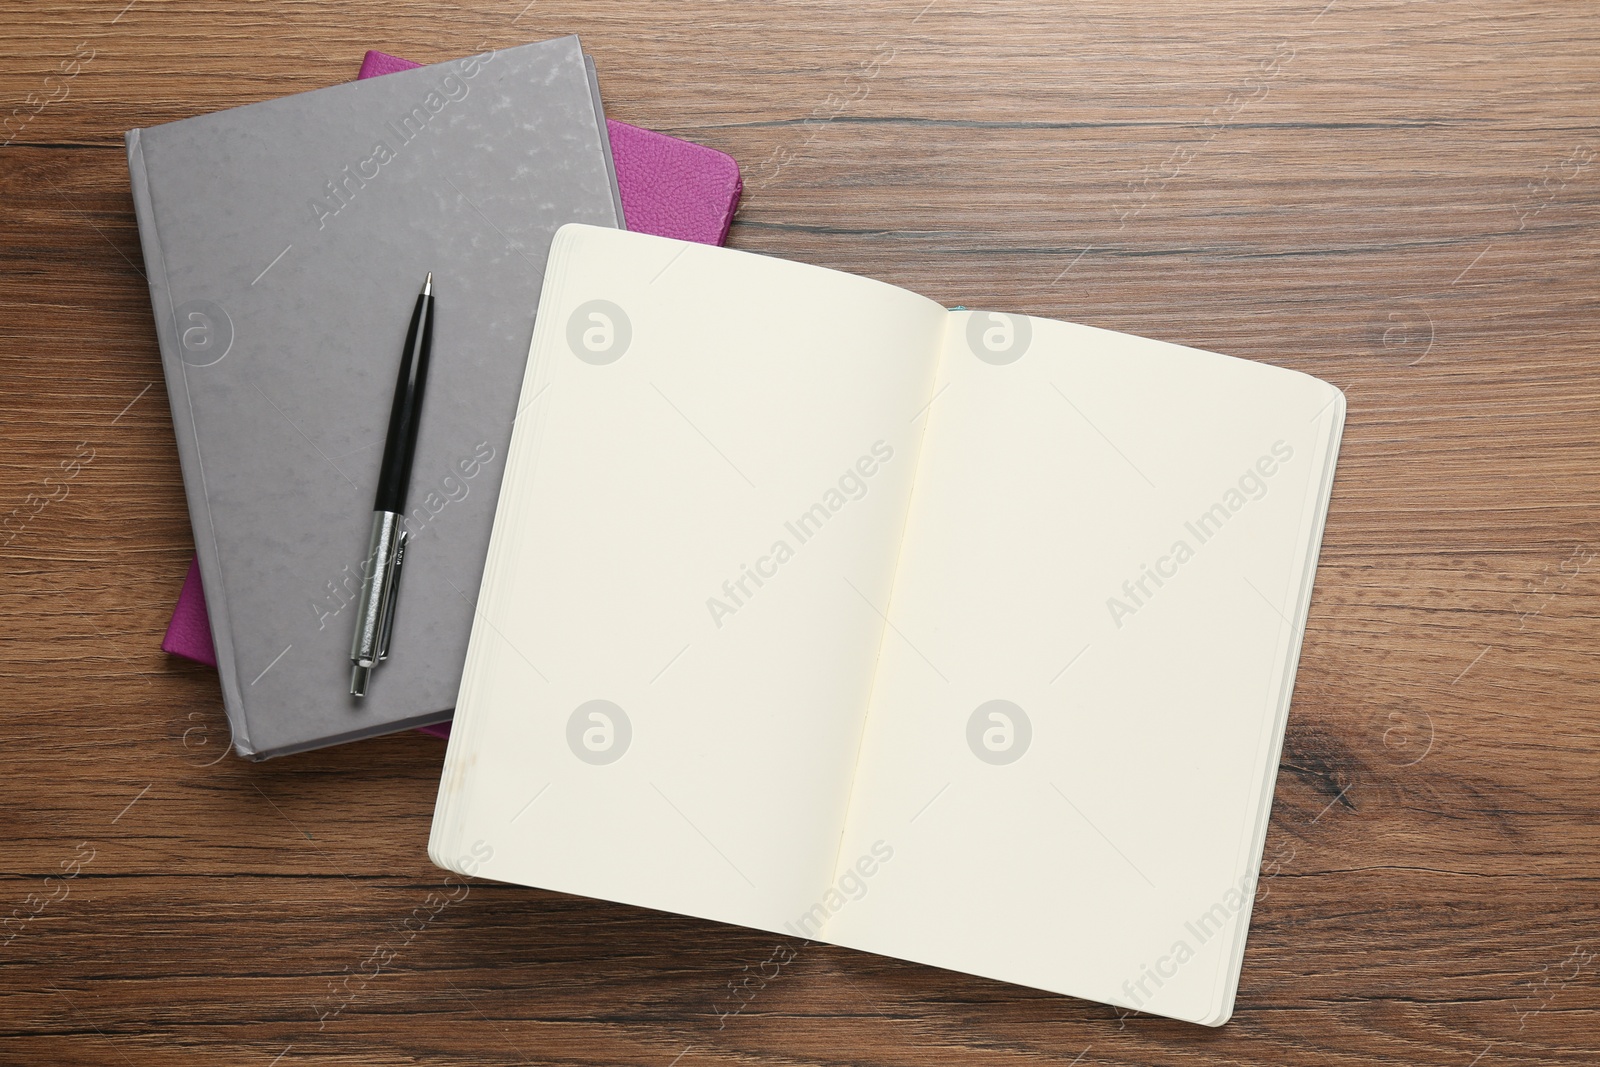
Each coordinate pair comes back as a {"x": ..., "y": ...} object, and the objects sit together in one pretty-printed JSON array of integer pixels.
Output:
[
  {"x": 387, "y": 629},
  {"x": 377, "y": 598}
]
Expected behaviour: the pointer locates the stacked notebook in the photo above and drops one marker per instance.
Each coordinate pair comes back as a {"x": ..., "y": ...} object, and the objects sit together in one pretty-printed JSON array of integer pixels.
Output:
[
  {"x": 762, "y": 592},
  {"x": 669, "y": 187},
  {"x": 280, "y": 401}
]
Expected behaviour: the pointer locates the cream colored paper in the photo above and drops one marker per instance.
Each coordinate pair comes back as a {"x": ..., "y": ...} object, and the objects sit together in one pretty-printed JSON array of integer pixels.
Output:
[{"x": 986, "y": 715}]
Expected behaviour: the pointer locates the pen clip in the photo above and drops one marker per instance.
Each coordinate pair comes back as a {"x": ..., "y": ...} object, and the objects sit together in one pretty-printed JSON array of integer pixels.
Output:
[{"x": 391, "y": 596}]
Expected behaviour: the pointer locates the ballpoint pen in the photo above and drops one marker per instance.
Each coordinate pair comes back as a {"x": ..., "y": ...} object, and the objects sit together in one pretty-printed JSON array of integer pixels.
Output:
[{"x": 386, "y": 547}]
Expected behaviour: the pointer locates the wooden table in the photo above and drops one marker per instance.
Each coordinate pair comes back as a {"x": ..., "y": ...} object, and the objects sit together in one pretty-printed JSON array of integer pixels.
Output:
[{"x": 1401, "y": 198}]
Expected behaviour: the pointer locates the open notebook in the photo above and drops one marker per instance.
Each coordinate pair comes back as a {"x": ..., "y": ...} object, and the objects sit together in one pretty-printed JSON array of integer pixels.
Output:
[{"x": 960, "y": 637}]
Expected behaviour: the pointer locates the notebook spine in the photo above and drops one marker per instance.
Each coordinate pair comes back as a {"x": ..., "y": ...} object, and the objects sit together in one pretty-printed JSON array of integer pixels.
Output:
[{"x": 183, "y": 424}]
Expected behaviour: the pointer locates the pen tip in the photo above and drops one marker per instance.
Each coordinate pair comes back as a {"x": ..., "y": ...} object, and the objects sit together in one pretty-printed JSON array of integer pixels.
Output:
[{"x": 427, "y": 285}]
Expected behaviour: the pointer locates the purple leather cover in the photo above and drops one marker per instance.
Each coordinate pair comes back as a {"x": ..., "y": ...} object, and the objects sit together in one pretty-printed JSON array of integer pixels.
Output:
[
  {"x": 670, "y": 188},
  {"x": 189, "y": 632}
]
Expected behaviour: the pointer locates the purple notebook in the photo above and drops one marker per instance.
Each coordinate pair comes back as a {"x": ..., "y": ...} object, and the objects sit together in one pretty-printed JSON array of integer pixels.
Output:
[{"x": 670, "y": 188}]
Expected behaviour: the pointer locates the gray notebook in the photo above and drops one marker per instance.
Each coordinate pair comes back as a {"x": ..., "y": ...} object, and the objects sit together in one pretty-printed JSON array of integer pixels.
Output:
[{"x": 285, "y": 243}]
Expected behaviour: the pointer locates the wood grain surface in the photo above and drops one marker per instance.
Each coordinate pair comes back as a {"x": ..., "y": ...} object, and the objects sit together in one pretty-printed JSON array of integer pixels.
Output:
[{"x": 1400, "y": 197}]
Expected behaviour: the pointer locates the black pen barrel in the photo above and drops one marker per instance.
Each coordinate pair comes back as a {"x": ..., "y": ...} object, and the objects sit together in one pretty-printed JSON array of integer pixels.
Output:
[{"x": 406, "y": 415}]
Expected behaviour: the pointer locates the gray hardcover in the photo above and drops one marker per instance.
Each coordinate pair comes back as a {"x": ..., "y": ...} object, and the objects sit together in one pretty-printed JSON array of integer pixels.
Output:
[{"x": 285, "y": 244}]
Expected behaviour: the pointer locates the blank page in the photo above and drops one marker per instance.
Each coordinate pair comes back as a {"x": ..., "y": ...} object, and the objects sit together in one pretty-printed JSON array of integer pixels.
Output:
[
  {"x": 1073, "y": 739},
  {"x": 704, "y": 500}
]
